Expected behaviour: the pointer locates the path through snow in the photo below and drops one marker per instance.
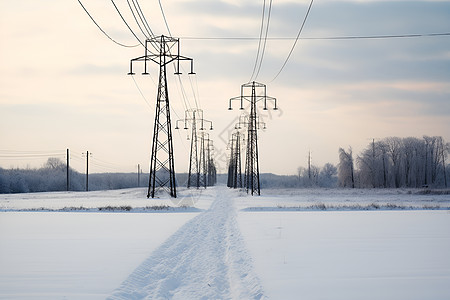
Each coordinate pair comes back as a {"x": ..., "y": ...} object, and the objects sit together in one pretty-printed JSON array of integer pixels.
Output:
[{"x": 205, "y": 259}]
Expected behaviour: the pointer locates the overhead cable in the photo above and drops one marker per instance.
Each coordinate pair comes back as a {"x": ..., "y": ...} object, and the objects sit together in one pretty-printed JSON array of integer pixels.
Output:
[
  {"x": 140, "y": 91},
  {"x": 123, "y": 19},
  {"x": 295, "y": 42},
  {"x": 120, "y": 44},
  {"x": 350, "y": 37},
  {"x": 143, "y": 19},
  {"x": 164, "y": 17},
  {"x": 260, "y": 38},
  {"x": 265, "y": 40},
  {"x": 147, "y": 35}
]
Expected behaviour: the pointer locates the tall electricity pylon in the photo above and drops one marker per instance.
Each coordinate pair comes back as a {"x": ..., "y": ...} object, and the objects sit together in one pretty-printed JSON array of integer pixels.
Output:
[
  {"x": 203, "y": 168},
  {"x": 252, "y": 182},
  {"x": 162, "y": 168},
  {"x": 207, "y": 166},
  {"x": 193, "y": 118},
  {"x": 231, "y": 166},
  {"x": 236, "y": 171},
  {"x": 212, "y": 172},
  {"x": 245, "y": 121}
]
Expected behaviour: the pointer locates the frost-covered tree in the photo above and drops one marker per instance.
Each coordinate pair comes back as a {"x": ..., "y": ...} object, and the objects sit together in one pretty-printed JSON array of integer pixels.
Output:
[
  {"x": 404, "y": 162},
  {"x": 346, "y": 176},
  {"x": 372, "y": 165},
  {"x": 394, "y": 151},
  {"x": 328, "y": 176},
  {"x": 54, "y": 163}
]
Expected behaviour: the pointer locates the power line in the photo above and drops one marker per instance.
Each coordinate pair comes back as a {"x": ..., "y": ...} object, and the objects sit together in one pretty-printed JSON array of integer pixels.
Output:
[
  {"x": 265, "y": 40},
  {"x": 141, "y": 15},
  {"x": 140, "y": 91},
  {"x": 13, "y": 157},
  {"x": 120, "y": 44},
  {"x": 183, "y": 92},
  {"x": 193, "y": 93},
  {"x": 144, "y": 19},
  {"x": 137, "y": 22},
  {"x": 18, "y": 154},
  {"x": 123, "y": 19},
  {"x": 351, "y": 37},
  {"x": 192, "y": 89},
  {"x": 392, "y": 36},
  {"x": 186, "y": 101},
  {"x": 29, "y": 151},
  {"x": 295, "y": 42},
  {"x": 164, "y": 17},
  {"x": 260, "y": 38},
  {"x": 148, "y": 104},
  {"x": 198, "y": 93}
]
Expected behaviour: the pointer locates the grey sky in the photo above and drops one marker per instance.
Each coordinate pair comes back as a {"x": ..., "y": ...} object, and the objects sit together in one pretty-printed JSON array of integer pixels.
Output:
[{"x": 64, "y": 84}]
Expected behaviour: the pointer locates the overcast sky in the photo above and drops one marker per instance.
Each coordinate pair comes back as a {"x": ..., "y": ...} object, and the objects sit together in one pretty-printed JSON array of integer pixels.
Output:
[{"x": 64, "y": 84}]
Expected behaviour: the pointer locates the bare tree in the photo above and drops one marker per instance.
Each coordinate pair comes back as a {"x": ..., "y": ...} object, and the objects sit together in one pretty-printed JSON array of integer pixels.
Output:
[
  {"x": 346, "y": 176},
  {"x": 54, "y": 163},
  {"x": 327, "y": 176}
]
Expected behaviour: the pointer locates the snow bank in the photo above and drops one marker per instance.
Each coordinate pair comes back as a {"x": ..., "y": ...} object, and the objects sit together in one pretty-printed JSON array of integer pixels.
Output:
[{"x": 133, "y": 200}]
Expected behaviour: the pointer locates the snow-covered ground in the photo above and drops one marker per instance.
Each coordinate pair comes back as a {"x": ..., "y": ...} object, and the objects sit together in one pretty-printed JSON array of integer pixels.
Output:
[{"x": 286, "y": 244}]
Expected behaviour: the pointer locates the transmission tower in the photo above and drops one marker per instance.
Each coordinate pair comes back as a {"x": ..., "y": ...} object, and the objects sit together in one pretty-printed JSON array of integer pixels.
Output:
[
  {"x": 207, "y": 166},
  {"x": 212, "y": 172},
  {"x": 162, "y": 168},
  {"x": 193, "y": 118},
  {"x": 257, "y": 94},
  {"x": 235, "y": 173},
  {"x": 231, "y": 166},
  {"x": 244, "y": 121},
  {"x": 202, "y": 160}
]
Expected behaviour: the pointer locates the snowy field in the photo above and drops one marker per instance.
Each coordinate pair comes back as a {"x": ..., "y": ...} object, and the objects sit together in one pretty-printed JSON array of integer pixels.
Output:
[{"x": 223, "y": 244}]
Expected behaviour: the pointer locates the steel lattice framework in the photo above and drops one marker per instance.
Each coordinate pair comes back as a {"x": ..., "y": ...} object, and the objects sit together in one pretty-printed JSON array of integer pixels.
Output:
[
  {"x": 235, "y": 160},
  {"x": 212, "y": 171},
  {"x": 231, "y": 162},
  {"x": 162, "y": 168},
  {"x": 193, "y": 158},
  {"x": 203, "y": 169},
  {"x": 197, "y": 160},
  {"x": 258, "y": 93}
]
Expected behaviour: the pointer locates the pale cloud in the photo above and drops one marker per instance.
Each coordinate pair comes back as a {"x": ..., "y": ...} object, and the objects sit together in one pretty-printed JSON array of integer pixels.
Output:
[{"x": 64, "y": 84}]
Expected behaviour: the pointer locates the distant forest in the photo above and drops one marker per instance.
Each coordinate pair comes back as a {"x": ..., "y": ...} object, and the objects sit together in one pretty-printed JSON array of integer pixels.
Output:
[
  {"x": 396, "y": 162},
  {"x": 53, "y": 177},
  {"x": 388, "y": 163}
]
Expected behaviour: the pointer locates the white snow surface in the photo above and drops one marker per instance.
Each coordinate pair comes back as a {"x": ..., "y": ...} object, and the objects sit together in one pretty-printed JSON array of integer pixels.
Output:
[
  {"x": 205, "y": 259},
  {"x": 223, "y": 244}
]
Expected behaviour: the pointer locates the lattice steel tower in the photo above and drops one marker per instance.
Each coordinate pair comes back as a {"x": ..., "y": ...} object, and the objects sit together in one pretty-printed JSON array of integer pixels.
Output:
[
  {"x": 194, "y": 117},
  {"x": 212, "y": 172},
  {"x": 162, "y": 168},
  {"x": 251, "y": 181},
  {"x": 235, "y": 161}
]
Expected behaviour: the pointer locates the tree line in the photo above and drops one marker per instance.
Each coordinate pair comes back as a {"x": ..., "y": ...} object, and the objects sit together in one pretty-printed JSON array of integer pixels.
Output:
[
  {"x": 395, "y": 162},
  {"x": 392, "y": 162},
  {"x": 52, "y": 176}
]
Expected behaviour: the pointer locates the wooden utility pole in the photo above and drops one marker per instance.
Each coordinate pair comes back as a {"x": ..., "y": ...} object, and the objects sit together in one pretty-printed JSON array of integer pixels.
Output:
[
  {"x": 87, "y": 171},
  {"x": 309, "y": 167},
  {"x": 139, "y": 175},
  {"x": 67, "y": 171}
]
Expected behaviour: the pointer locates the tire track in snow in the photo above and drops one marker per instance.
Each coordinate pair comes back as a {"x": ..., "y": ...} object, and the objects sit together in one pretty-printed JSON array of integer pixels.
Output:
[{"x": 204, "y": 259}]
